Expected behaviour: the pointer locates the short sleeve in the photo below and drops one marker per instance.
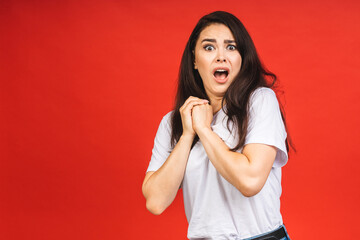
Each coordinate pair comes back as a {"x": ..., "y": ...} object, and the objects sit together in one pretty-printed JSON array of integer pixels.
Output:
[
  {"x": 162, "y": 144},
  {"x": 266, "y": 125}
]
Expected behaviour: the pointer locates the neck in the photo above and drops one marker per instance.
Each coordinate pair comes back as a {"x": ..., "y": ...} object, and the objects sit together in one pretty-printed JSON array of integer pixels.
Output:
[{"x": 216, "y": 103}]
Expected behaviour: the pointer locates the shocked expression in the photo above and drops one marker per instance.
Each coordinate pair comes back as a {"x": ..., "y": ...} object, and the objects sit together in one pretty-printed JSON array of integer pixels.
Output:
[{"x": 217, "y": 59}]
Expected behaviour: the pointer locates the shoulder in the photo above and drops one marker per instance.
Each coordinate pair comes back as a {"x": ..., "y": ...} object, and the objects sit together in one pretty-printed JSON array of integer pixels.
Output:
[
  {"x": 263, "y": 96},
  {"x": 167, "y": 117},
  {"x": 166, "y": 120},
  {"x": 263, "y": 92}
]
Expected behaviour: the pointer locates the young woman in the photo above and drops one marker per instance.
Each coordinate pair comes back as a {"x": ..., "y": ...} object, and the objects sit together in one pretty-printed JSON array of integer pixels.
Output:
[{"x": 225, "y": 141}]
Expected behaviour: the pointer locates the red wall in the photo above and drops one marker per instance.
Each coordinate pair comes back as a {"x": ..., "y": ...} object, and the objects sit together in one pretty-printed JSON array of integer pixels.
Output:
[{"x": 83, "y": 87}]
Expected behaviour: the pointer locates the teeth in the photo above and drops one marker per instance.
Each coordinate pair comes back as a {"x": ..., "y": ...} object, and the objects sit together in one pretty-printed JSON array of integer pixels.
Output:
[{"x": 221, "y": 70}]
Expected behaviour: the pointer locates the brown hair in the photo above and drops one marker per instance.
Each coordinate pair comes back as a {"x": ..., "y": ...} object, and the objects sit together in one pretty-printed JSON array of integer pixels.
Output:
[{"x": 252, "y": 75}]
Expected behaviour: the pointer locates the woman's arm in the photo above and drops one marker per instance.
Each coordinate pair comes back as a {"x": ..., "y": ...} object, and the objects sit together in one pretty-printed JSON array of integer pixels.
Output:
[
  {"x": 247, "y": 171},
  {"x": 160, "y": 187}
]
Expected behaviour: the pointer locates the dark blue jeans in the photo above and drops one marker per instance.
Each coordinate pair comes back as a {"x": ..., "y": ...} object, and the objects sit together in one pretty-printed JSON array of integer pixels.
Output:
[{"x": 269, "y": 237}]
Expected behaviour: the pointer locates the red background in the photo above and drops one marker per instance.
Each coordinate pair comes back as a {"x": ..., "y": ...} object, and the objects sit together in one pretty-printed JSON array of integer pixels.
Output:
[{"x": 84, "y": 85}]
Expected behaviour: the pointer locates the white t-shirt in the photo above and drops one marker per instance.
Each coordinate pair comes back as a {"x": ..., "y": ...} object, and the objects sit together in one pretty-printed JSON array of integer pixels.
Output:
[{"x": 214, "y": 208}]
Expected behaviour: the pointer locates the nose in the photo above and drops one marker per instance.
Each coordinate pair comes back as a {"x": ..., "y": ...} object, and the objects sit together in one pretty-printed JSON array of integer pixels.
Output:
[{"x": 220, "y": 57}]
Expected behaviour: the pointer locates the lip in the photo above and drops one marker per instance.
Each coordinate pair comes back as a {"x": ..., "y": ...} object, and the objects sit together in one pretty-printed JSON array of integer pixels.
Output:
[{"x": 223, "y": 80}]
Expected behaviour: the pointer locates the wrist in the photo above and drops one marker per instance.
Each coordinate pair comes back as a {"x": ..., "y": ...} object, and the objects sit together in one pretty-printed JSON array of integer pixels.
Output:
[
  {"x": 202, "y": 130},
  {"x": 187, "y": 137}
]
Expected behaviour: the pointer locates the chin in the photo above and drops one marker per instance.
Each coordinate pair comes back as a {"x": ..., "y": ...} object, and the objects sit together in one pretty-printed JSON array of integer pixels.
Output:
[{"x": 219, "y": 91}]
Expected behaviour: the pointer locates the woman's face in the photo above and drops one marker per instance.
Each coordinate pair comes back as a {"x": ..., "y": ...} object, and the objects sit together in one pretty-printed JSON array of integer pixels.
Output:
[{"x": 217, "y": 59}]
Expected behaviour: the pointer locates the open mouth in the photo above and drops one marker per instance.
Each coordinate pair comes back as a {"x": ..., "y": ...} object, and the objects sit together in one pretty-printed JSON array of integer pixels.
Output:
[{"x": 221, "y": 74}]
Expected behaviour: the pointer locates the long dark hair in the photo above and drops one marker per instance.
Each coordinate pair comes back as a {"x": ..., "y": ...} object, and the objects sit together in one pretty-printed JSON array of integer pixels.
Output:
[{"x": 252, "y": 75}]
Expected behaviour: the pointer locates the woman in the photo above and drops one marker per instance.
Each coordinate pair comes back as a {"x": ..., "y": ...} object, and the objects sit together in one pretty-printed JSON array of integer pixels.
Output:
[{"x": 225, "y": 141}]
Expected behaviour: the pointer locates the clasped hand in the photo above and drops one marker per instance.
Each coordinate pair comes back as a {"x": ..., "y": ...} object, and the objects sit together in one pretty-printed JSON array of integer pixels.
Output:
[{"x": 196, "y": 115}]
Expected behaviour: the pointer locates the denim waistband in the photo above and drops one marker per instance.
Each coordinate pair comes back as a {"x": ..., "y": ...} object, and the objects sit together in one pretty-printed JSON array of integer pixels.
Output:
[{"x": 272, "y": 235}]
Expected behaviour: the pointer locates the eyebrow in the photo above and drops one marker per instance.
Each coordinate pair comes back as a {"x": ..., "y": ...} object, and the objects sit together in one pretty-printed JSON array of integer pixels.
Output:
[{"x": 214, "y": 41}]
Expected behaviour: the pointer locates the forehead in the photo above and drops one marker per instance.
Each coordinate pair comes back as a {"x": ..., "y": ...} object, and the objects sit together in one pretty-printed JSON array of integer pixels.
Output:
[{"x": 216, "y": 31}]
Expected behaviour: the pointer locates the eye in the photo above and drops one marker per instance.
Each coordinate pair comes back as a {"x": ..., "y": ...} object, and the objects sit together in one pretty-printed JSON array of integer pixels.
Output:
[
  {"x": 231, "y": 47},
  {"x": 209, "y": 47}
]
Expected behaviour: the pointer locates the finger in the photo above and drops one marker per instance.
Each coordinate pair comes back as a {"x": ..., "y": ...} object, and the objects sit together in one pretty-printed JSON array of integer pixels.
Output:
[
  {"x": 189, "y": 99},
  {"x": 192, "y": 100},
  {"x": 193, "y": 103},
  {"x": 186, "y": 102},
  {"x": 200, "y": 107}
]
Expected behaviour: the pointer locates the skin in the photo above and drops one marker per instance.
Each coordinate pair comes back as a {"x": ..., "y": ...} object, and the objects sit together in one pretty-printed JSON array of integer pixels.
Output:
[
  {"x": 216, "y": 48},
  {"x": 247, "y": 171}
]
